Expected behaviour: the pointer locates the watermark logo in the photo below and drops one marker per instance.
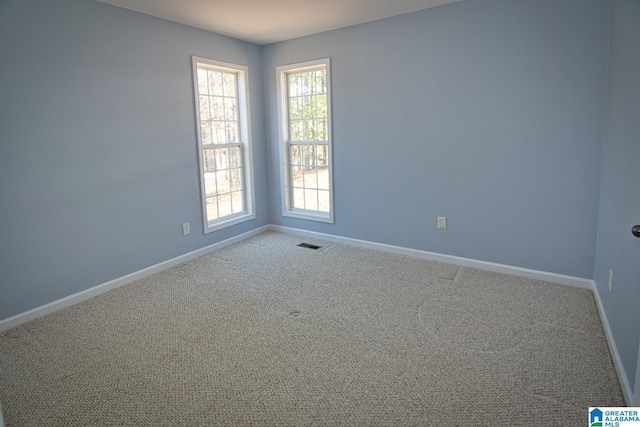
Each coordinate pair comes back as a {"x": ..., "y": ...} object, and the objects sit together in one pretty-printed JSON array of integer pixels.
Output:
[
  {"x": 595, "y": 417},
  {"x": 614, "y": 417}
]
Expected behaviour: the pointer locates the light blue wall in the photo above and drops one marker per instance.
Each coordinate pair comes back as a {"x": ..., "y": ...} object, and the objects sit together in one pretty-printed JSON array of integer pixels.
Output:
[
  {"x": 618, "y": 250},
  {"x": 488, "y": 112},
  {"x": 98, "y": 166}
]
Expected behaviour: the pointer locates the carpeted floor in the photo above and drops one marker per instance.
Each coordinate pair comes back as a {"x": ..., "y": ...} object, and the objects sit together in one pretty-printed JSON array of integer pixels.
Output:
[{"x": 267, "y": 333}]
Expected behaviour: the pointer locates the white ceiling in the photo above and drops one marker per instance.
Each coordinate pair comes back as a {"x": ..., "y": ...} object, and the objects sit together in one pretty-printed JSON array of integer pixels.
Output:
[{"x": 270, "y": 21}]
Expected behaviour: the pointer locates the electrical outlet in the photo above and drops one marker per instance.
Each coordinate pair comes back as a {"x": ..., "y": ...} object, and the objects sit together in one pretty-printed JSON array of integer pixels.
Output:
[
  {"x": 186, "y": 229},
  {"x": 610, "y": 280},
  {"x": 442, "y": 223}
]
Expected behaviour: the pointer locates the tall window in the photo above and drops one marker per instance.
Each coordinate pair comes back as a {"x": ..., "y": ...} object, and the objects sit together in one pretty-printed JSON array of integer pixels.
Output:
[
  {"x": 305, "y": 132},
  {"x": 224, "y": 145}
]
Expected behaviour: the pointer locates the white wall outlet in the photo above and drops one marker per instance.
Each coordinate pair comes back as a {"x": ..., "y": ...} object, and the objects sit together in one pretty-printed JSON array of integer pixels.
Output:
[
  {"x": 442, "y": 223},
  {"x": 186, "y": 229},
  {"x": 610, "y": 280}
]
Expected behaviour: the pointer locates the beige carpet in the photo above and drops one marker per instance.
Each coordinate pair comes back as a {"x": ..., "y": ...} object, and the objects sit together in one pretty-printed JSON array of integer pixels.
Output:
[{"x": 267, "y": 333}]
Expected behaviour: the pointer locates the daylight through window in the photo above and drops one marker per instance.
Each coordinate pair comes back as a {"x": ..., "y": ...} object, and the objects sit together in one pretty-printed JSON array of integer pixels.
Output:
[
  {"x": 223, "y": 140},
  {"x": 306, "y": 140}
]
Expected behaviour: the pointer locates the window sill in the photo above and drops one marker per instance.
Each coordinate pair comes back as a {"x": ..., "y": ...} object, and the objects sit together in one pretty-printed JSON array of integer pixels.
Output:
[
  {"x": 309, "y": 215},
  {"x": 228, "y": 222}
]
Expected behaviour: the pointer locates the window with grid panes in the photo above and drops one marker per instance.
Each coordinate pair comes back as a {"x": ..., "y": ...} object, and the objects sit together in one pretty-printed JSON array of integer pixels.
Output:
[
  {"x": 306, "y": 140},
  {"x": 224, "y": 142}
]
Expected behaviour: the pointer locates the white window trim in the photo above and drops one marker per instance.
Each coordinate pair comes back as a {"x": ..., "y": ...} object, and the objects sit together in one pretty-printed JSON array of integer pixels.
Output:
[
  {"x": 247, "y": 151},
  {"x": 283, "y": 135}
]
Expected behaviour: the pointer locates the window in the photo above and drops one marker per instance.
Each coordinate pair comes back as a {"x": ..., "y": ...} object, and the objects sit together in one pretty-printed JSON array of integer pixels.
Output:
[
  {"x": 305, "y": 145},
  {"x": 224, "y": 142}
]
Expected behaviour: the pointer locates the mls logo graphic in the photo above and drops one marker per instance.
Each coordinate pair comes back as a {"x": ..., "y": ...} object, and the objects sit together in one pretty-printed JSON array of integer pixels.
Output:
[
  {"x": 614, "y": 416},
  {"x": 595, "y": 418}
]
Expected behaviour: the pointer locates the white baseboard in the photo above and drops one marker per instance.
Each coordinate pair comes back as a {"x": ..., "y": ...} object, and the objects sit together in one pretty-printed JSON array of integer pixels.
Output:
[
  {"x": 498, "y": 268},
  {"x": 450, "y": 259},
  {"x": 465, "y": 262},
  {"x": 53, "y": 306},
  {"x": 613, "y": 349}
]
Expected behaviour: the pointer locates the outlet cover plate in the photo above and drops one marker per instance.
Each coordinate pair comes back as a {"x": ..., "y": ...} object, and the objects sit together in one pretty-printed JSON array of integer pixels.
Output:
[{"x": 442, "y": 223}]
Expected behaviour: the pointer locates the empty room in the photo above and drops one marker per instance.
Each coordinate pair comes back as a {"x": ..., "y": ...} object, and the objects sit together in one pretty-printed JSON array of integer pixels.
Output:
[{"x": 322, "y": 212}]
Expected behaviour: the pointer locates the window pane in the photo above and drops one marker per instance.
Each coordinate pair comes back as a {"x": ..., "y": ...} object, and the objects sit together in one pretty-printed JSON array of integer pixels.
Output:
[
  {"x": 305, "y": 103},
  {"x": 312, "y": 107},
  {"x": 234, "y": 157},
  {"x": 323, "y": 155},
  {"x": 297, "y": 177},
  {"x": 296, "y": 130},
  {"x": 323, "y": 134},
  {"x": 311, "y": 199},
  {"x": 295, "y": 108},
  {"x": 212, "y": 208},
  {"x": 226, "y": 157},
  {"x": 292, "y": 81},
  {"x": 215, "y": 83},
  {"x": 224, "y": 205},
  {"x": 296, "y": 154},
  {"x": 217, "y": 108},
  {"x": 222, "y": 179},
  {"x": 231, "y": 132},
  {"x": 310, "y": 155},
  {"x": 321, "y": 81},
  {"x": 204, "y": 107},
  {"x": 306, "y": 84},
  {"x": 322, "y": 105},
  {"x": 217, "y": 132},
  {"x": 235, "y": 172},
  {"x": 237, "y": 200},
  {"x": 311, "y": 178},
  {"x": 312, "y": 82},
  {"x": 210, "y": 184},
  {"x": 202, "y": 82},
  {"x": 209, "y": 162},
  {"x": 229, "y": 84},
  {"x": 323, "y": 178},
  {"x": 219, "y": 158},
  {"x": 206, "y": 133},
  {"x": 298, "y": 198},
  {"x": 323, "y": 201},
  {"x": 235, "y": 179},
  {"x": 309, "y": 130},
  {"x": 230, "y": 109}
]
